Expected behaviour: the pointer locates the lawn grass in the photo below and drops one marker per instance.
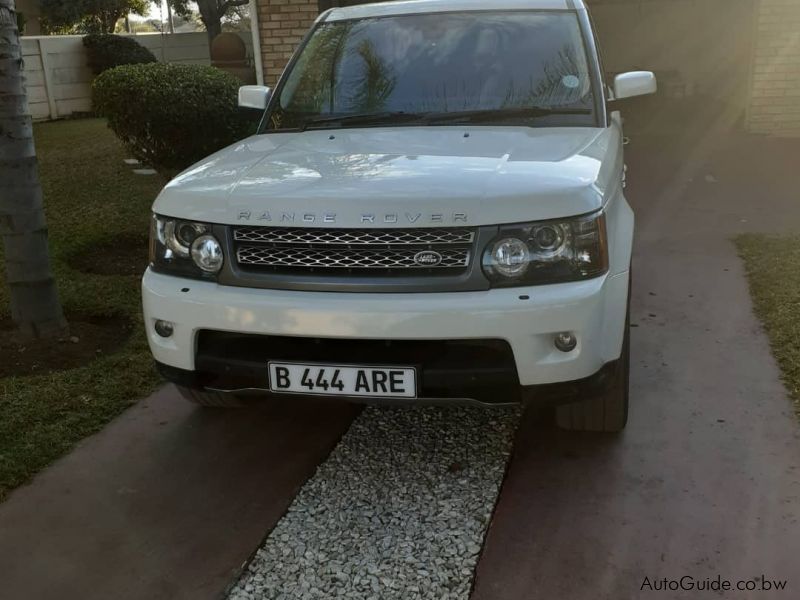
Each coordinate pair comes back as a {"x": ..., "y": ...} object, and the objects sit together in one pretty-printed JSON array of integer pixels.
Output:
[
  {"x": 773, "y": 269},
  {"x": 91, "y": 197}
]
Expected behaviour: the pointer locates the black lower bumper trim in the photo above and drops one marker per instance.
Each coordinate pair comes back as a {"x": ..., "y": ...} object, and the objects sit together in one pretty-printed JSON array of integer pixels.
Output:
[
  {"x": 551, "y": 394},
  {"x": 483, "y": 369},
  {"x": 493, "y": 384}
]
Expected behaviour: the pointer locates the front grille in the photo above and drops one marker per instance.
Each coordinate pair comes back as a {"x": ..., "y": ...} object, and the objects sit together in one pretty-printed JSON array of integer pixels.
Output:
[
  {"x": 346, "y": 258},
  {"x": 388, "y": 252},
  {"x": 353, "y": 237}
]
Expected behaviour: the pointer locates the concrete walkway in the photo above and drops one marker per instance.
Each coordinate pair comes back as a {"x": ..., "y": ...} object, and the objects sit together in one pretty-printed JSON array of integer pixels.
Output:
[
  {"x": 166, "y": 502},
  {"x": 706, "y": 479}
]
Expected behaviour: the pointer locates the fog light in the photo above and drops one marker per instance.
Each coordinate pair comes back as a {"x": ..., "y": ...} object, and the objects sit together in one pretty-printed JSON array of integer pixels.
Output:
[
  {"x": 565, "y": 342},
  {"x": 164, "y": 328}
]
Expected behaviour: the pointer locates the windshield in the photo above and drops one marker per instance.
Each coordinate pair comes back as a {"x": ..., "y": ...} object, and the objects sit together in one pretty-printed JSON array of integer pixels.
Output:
[{"x": 389, "y": 69}]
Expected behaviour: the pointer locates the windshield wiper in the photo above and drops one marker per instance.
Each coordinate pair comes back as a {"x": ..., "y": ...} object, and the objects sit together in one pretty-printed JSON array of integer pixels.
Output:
[
  {"x": 397, "y": 116},
  {"x": 464, "y": 116},
  {"x": 473, "y": 116}
]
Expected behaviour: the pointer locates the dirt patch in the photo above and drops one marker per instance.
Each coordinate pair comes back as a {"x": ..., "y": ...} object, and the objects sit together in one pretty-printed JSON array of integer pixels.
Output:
[
  {"x": 89, "y": 338},
  {"x": 126, "y": 255}
]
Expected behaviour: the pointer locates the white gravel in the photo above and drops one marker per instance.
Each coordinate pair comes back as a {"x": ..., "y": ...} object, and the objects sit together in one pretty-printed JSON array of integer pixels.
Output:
[{"x": 399, "y": 510}]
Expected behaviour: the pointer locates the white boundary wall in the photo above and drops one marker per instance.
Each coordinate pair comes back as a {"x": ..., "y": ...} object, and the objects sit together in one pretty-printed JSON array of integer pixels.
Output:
[{"x": 59, "y": 83}]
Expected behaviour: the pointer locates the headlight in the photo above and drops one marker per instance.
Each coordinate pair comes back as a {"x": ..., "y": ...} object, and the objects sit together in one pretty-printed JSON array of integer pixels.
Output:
[
  {"x": 509, "y": 257},
  {"x": 207, "y": 253},
  {"x": 547, "y": 252},
  {"x": 184, "y": 248}
]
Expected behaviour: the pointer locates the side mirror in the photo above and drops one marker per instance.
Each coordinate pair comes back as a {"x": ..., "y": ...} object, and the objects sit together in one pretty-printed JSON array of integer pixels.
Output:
[
  {"x": 254, "y": 96},
  {"x": 635, "y": 83}
]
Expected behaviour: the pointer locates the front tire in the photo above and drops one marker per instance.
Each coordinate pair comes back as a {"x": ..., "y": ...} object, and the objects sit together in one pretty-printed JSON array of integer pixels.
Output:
[
  {"x": 608, "y": 412},
  {"x": 210, "y": 399}
]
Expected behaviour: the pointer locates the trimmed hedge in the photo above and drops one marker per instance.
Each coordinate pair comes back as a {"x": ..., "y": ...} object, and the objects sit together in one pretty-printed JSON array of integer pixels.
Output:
[
  {"x": 171, "y": 116},
  {"x": 107, "y": 51}
]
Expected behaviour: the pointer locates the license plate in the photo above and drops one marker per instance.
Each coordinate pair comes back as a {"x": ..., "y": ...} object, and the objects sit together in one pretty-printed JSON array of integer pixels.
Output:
[{"x": 342, "y": 380}]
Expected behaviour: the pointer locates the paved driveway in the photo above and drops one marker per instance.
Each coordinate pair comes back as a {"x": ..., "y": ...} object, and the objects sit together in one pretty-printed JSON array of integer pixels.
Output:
[
  {"x": 706, "y": 479},
  {"x": 167, "y": 502}
]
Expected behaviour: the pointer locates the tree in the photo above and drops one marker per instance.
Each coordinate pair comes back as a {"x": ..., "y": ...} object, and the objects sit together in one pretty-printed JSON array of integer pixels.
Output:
[
  {"x": 88, "y": 16},
  {"x": 375, "y": 83},
  {"x": 35, "y": 307},
  {"x": 211, "y": 12}
]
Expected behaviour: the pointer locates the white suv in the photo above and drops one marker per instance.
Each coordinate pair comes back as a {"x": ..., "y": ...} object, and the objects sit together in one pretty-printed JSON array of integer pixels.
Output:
[{"x": 431, "y": 210}]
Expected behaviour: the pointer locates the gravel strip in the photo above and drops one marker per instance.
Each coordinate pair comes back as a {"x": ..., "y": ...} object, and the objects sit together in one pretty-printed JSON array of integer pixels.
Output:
[{"x": 399, "y": 510}]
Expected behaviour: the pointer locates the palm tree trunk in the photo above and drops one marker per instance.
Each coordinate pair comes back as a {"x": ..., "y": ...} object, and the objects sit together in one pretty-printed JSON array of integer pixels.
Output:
[{"x": 35, "y": 307}]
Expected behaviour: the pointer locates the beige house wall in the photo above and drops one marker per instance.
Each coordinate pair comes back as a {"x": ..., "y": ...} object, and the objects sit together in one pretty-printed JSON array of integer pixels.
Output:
[{"x": 775, "y": 88}]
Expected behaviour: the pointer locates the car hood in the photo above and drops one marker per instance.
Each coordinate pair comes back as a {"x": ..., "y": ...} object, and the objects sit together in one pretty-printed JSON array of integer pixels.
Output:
[{"x": 403, "y": 176}]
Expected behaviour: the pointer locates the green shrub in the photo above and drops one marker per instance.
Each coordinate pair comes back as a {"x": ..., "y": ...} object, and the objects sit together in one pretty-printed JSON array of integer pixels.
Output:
[
  {"x": 171, "y": 116},
  {"x": 108, "y": 51}
]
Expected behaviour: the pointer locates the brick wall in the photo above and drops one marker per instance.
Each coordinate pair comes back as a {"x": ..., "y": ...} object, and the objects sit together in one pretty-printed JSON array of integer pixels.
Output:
[
  {"x": 283, "y": 23},
  {"x": 775, "y": 90}
]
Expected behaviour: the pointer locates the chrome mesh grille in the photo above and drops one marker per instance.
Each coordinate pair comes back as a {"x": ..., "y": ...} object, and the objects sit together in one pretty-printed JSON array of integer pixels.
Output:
[
  {"x": 347, "y": 258},
  {"x": 366, "y": 251},
  {"x": 369, "y": 237}
]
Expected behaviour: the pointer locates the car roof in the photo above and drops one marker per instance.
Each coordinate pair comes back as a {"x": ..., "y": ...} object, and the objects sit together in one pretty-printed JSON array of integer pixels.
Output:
[{"x": 412, "y": 7}]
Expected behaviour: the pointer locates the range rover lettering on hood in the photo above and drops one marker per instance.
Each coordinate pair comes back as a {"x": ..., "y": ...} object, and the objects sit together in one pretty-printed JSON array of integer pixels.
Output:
[{"x": 412, "y": 218}]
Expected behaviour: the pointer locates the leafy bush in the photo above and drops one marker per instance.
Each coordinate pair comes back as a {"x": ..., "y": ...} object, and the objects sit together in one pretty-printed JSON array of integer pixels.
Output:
[
  {"x": 171, "y": 116},
  {"x": 107, "y": 51}
]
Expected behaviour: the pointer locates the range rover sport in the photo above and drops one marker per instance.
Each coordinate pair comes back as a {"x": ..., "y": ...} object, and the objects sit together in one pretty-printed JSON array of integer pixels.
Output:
[{"x": 432, "y": 209}]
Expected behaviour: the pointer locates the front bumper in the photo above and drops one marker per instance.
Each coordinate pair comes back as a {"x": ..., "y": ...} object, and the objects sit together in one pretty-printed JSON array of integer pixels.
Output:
[{"x": 524, "y": 320}]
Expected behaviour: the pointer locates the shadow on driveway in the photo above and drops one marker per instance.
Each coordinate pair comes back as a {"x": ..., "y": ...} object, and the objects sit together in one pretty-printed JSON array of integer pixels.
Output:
[{"x": 166, "y": 502}]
